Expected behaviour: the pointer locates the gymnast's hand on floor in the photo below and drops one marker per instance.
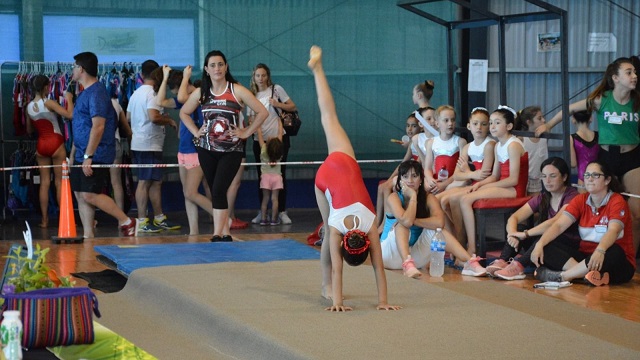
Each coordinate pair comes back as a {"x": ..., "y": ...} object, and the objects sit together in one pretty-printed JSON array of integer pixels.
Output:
[
  {"x": 339, "y": 308},
  {"x": 388, "y": 307}
]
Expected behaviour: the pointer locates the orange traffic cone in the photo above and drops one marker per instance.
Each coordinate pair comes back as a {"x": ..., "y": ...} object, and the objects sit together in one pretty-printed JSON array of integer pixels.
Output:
[{"x": 67, "y": 224}]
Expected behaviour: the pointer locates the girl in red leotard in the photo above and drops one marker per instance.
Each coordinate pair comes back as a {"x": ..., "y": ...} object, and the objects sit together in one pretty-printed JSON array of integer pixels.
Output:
[
  {"x": 50, "y": 149},
  {"x": 345, "y": 205}
]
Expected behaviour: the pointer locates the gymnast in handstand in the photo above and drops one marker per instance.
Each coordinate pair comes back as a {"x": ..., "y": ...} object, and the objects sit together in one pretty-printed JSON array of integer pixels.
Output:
[{"x": 347, "y": 211}]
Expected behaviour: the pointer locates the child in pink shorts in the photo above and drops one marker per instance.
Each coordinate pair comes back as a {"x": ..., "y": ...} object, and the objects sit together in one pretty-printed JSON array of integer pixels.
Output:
[{"x": 271, "y": 177}]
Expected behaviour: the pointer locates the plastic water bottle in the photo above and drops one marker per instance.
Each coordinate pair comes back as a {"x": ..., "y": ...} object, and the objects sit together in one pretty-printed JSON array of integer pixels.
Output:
[
  {"x": 11, "y": 330},
  {"x": 436, "y": 265},
  {"x": 443, "y": 174}
]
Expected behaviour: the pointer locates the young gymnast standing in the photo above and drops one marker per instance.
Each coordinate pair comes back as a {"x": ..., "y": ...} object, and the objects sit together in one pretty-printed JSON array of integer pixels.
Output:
[
  {"x": 345, "y": 205},
  {"x": 584, "y": 145},
  {"x": 509, "y": 176}
]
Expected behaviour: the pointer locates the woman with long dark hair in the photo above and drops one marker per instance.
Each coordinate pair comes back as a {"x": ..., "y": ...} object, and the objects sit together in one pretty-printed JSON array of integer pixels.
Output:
[
  {"x": 413, "y": 217},
  {"x": 556, "y": 194},
  {"x": 616, "y": 102},
  {"x": 220, "y": 140}
]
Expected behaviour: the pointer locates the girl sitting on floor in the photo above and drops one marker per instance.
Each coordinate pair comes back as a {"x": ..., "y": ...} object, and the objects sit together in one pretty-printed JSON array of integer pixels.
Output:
[{"x": 413, "y": 217}]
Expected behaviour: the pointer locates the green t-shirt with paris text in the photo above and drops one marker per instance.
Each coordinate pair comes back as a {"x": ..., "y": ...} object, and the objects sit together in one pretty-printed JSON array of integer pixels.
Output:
[{"x": 617, "y": 123}]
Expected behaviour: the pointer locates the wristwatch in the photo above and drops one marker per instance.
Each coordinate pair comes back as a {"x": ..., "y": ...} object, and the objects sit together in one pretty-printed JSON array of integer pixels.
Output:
[{"x": 88, "y": 156}]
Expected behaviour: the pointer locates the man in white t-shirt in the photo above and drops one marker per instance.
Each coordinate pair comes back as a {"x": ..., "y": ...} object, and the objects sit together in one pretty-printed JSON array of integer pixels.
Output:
[{"x": 147, "y": 123}]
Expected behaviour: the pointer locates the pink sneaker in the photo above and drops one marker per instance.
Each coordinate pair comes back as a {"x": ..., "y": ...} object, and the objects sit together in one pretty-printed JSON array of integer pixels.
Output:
[
  {"x": 473, "y": 267},
  {"x": 514, "y": 271},
  {"x": 596, "y": 279},
  {"x": 409, "y": 268},
  {"x": 496, "y": 265}
]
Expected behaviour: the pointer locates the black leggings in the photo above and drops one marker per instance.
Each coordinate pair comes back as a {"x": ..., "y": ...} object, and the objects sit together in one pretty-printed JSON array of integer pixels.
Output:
[
  {"x": 525, "y": 248},
  {"x": 282, "y": 194},
  {"x": 615, "y": 260},
  {"x": 219, "y": 169}
]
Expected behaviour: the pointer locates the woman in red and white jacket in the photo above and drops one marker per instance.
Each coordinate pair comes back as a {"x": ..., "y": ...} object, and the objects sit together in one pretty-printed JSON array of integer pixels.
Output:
[{"x": 606, "y": 243}]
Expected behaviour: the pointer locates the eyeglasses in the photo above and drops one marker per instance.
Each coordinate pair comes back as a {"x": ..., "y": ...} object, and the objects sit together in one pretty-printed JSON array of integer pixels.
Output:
[{"x": 593, "y": 175}]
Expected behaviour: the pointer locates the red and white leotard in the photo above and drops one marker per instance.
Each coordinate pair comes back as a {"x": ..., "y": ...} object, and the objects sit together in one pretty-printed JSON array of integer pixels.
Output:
[
  {"x": 502, "y": 154},
  {"x": 476, "y": 153},
  {"x": 422, "y": 141},
  {"x": 46, "y": 123},
  {"x": 445, "y": 153},
  {"x": 340, "y": 178}
]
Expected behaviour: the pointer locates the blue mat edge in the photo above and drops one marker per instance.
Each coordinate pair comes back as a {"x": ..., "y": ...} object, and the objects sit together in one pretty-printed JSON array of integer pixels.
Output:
[{"x": 126, "y": 268}]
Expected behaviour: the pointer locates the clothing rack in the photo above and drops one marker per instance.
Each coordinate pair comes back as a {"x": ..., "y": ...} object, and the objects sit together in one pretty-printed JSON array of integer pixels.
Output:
[{"x": 110, "y": 74}]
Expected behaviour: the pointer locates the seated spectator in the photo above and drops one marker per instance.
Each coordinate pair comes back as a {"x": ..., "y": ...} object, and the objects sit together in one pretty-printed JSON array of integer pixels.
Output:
[
  {"x": 508, "y": 178},
  {"x": 552, "y": 201},
  {"x": 606, "y": 251},
  {"x": 413, "y": 217},
  {"x": 479, "y": 152}
]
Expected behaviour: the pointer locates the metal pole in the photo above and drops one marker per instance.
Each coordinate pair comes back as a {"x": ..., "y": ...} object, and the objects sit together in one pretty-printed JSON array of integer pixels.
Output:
[
  {"x": 450, "y": 67},
  {"x": 564, "y": 68},
  {"x": 502, "y": 62}
]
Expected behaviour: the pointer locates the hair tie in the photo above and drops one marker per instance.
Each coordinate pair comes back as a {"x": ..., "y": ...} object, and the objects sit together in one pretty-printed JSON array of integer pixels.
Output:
[
  {"x": 505, "y": 107},
  {"x": 479, "y": 108},
  {"x": 359, "y": 250}
]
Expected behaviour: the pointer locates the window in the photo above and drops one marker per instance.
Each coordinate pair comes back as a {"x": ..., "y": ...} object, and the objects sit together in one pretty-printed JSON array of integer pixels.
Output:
[
  {"x": 9, "y": 37},
  {"x": 120, "y": 39}
]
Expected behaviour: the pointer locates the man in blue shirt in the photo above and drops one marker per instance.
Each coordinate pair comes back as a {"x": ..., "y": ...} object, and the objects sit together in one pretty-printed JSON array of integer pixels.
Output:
[{"x": 94, "y": 126}]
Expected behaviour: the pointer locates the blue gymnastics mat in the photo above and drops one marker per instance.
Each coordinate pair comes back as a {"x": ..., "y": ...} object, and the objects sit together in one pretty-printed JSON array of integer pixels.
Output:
[{"x": 127, "y": 258}]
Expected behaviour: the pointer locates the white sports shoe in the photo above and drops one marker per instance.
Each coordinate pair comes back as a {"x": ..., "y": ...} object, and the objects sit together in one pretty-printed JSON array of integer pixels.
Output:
[
  {"x": 284, "y": 218},
  {"x": 256, "y": 220}
]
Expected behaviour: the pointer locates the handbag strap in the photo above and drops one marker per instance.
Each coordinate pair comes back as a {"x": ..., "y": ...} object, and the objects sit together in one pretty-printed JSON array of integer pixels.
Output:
[
  {"x": 94, "y": 301},
  {"x": 273, "y": 92}
]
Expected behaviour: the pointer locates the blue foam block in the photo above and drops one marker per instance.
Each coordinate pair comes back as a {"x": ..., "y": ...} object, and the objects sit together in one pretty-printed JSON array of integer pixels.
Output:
[{"x": 131, "y": 257}]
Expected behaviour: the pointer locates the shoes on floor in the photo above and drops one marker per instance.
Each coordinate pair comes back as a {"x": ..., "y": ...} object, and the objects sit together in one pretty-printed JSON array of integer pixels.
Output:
[
  {"x": 275, "y": 223},
  {"x": 409, "y": 268},
  {"x": 145, "y": 227},
  {"x": 256, "y": 220},
  {"x": 473, "y": 267},
  {"x": 284, "y": 218},
  {"x": 497, "y": 264},
  {"x": 596, "y": 279},
  {"x": 264, "y": 222},
  {"x": 237, "y": 224},
  {"x": 130, "y": 229},
  {"x": 513, "y": 271},
  {"x": 223, "y": 238},
  {"x": 545, "y": 274},
  {"x": 165, "y": 224}
]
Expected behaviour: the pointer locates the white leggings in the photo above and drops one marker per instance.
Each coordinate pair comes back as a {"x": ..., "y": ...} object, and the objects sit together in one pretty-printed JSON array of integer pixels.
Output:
[{"x": 420, "y": 251}]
